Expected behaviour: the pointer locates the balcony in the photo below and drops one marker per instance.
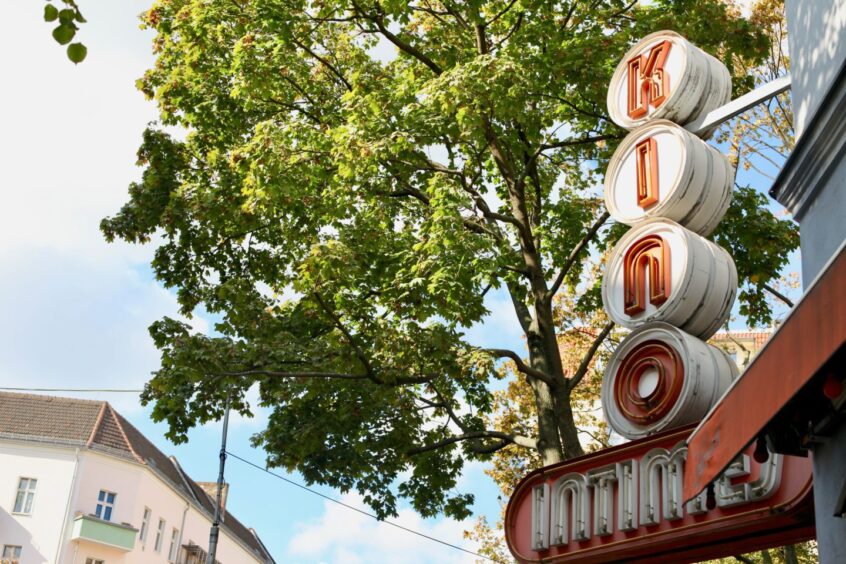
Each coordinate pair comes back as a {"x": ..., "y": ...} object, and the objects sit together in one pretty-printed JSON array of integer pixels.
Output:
[
  {"x": 193, "y": 554},
  {"x": 116, "y": 535}
]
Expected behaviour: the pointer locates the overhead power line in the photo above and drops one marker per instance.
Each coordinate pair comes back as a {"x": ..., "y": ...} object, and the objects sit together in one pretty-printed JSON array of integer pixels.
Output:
[
  {"x": 77, "y": 390},
  {"x": 356, "y": 509}
]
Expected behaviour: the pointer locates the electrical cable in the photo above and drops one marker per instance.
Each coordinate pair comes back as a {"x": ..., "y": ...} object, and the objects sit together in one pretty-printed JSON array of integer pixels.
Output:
[
  {"x": 109, "y": 390},
  {"x": 341, "y": 503}
]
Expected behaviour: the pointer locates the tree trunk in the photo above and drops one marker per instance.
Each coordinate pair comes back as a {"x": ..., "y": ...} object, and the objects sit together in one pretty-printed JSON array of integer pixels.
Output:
[
  {"x": 765, "y": 557},
  {"x": 544, "y": 355},
  {"x": 567, "y": 426},
  {"x": 790, "y": 555},
  {"x": 549, "y": 445}
]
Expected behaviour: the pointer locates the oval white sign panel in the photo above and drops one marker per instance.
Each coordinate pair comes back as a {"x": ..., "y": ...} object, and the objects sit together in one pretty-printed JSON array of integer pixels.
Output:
[
  {"x": 660, "y": 377},
  {"x": 662, "y": 170},
  {"x": 660, "y": 271},
  {"x": 666, "y": 76}
]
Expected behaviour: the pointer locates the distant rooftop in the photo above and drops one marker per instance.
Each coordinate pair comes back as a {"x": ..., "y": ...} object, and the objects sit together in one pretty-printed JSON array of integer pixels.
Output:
[{"x": 758, "y": 337}]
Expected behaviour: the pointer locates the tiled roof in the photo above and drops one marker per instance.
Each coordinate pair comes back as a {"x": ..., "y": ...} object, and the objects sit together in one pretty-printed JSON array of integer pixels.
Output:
[
  {"x": 63, "y": 419},
  {"x": 758, "y": 337},
  {"x": 97, "y": 426}
]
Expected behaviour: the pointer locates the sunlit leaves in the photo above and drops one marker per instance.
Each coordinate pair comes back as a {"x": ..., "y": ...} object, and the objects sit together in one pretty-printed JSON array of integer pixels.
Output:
[{"x": 68, "y": 19}]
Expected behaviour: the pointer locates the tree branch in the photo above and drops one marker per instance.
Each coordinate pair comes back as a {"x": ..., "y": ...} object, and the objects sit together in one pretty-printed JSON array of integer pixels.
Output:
[
  {"x": 574, "y": 254},
  {"x": 572, "y": 142},
  {"x": 326, "y": 63},
  {"x": 277, "y": 374},
  {"x": 359, "y": 352},
  {"x": 586, "y": 360},
  {"x": 330, "y": 375},
  {"x": 522, "y": 366},
  {"x": 778, "y": 295},
  {"x": 452, "y": 415},
  {"x": 506, "y": 438},
  {"x": 407, "y": 48}
]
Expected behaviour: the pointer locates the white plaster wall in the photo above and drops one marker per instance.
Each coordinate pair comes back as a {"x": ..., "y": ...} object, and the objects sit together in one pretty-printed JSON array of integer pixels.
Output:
[
  {"x": 817, "y": 50},
  {"x": 39, "y": 533},
  {"x": 138, "y": 487},
  {"x": 59, "y": 499}
]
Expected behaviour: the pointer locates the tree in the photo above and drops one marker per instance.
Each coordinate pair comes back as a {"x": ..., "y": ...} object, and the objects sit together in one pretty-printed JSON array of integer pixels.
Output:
[{"x": 345, "y": 212}]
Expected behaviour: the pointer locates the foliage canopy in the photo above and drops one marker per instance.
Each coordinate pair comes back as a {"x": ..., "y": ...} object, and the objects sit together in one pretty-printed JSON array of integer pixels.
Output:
[{"x": 355, "y": 178}]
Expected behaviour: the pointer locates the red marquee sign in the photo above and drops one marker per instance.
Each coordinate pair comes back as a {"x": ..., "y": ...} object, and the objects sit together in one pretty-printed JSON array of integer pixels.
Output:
[{"x": 625, "y": 503}]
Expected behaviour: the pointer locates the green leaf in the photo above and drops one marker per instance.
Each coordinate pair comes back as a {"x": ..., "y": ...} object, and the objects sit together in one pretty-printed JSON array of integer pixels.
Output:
[
  {"x": 77, "y": 52},
  {"x": 67, "y": 15},
  {"x": 63, "y": 34},
  {"x": 50, "y": 13}
]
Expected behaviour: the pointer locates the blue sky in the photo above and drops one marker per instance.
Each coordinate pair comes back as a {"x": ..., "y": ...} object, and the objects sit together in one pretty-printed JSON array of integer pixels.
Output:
[{"x": 76, "y": 309}]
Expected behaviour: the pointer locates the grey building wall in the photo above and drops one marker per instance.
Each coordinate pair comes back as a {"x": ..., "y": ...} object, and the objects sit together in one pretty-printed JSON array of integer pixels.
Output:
[
  {"x": 823, "y": 225},
  {"x": 817, "y": 49},
  {"x": 812, "y": 186}
]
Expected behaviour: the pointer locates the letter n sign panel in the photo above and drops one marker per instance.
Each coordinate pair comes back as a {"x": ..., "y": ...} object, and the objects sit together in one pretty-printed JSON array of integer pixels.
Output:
[{"x": 649, "y": 258}]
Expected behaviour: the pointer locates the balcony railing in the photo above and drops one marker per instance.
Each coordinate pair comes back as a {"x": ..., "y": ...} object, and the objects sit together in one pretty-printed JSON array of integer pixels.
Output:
[
  {"x": 192, "y": 554},
  {"x": 115, "y": 535}
]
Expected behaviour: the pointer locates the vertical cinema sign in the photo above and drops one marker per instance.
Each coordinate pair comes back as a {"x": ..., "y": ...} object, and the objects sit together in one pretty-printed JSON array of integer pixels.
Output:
[{"x": 674, "y": 289}]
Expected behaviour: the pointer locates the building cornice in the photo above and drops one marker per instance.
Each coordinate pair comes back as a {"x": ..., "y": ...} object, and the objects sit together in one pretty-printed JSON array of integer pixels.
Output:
[{"x": 817, "y": 153}]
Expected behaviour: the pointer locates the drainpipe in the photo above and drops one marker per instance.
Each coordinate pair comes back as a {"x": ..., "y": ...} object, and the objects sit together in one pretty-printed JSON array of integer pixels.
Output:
[
  {"x": 72, "y": 489},
  {"x": 181, "y": 532}
]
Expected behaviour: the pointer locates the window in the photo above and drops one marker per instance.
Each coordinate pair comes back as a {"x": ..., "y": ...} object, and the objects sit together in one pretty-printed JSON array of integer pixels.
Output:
[
  {"x": 94, "y": 561},
  {"x": 11, "y": 554},
  {"x": 174, "y": 545},
  {"x": 145, "y": 524},
  {"x": 159, "y": 535},
  {"x": 105, "y": 505},
  {"x": 26, "y": 493}
]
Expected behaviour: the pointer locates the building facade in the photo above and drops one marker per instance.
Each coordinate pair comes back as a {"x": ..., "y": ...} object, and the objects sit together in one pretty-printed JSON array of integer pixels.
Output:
[
  {"x": 80, "y": 485},
  {"x": 741, "y": 346}
]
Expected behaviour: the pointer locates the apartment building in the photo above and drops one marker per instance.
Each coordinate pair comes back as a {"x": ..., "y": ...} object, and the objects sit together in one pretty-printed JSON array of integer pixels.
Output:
[
  {"x": 80, "y": 485},
  {"x": 741, "y": 346}
]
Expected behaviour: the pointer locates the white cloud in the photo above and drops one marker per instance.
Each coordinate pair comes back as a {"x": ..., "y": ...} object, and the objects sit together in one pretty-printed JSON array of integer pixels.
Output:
[
  {"x": 342, "y": 536},
  {"x": 76, "y": 322},
  {"x": 75, "y": 308}
]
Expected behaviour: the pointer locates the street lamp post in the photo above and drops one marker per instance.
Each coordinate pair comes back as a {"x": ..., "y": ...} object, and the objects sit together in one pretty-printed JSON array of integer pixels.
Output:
[{"x": 215, "y": 528}]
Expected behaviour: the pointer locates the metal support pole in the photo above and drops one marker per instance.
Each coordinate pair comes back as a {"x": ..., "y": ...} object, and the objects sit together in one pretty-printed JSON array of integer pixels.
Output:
[
  {"x": 739, "y": 105},
  {"x": 215, "y": 528}
]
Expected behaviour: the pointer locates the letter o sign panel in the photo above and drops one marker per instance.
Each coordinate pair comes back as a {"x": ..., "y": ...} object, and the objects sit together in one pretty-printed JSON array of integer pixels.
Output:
[
  {"x": 659, "y": 378},
  {"x": 666, "y": 76}
]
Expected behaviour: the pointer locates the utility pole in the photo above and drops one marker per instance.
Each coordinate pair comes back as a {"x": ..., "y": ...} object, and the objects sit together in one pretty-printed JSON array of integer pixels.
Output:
[{"x": 215, "y": 528}]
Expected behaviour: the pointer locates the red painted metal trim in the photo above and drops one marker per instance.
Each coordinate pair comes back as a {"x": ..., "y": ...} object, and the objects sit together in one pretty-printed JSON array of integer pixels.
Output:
[
  {"x": 807, "y": 339},
  {"x": 786, "y": 517}
]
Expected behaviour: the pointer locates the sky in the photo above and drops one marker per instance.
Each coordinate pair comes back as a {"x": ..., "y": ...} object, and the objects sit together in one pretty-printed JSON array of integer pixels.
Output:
[{"x": 76, "y": 309}]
